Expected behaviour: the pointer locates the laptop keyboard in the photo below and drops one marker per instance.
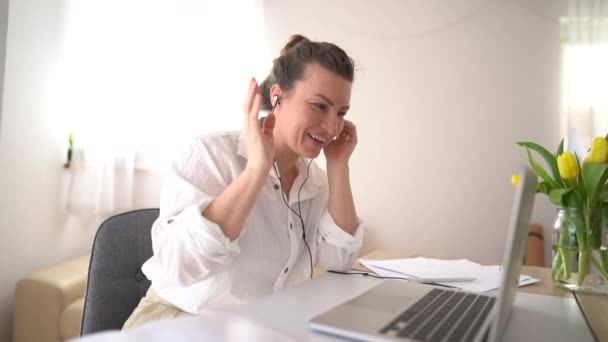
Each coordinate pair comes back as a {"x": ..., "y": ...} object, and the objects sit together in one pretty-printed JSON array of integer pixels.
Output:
[{"x": 442, "y": 315}]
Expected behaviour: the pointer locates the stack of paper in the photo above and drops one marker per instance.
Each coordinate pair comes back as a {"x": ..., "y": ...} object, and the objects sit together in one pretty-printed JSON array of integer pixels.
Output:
[{"x": 461, "y": 273}]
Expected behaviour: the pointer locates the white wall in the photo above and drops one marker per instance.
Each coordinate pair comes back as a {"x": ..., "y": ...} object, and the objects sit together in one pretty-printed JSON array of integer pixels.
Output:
[
  {"x": 30, "y": 159},
  {"x": 437, "y": 114},
  {"x": 438, "y": 108},
  {"x": 3, "y": 26},
  {"x": 34, "y": 233}
]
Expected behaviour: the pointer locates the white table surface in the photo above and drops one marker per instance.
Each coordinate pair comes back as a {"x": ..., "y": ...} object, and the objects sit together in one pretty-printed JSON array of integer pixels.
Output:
[{"x": 284, "y": 316}]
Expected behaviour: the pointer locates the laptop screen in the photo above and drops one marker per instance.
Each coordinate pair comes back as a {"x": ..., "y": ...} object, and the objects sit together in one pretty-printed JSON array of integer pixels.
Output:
[{"x": 515, "y": 247}]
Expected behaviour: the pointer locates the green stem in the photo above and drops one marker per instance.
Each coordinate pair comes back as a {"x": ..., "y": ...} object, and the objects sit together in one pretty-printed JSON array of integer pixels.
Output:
[
  {"x": 604, "y": 259},
  {"x": 565, "y": 255},
  {"x": 564, "y": 245},
  {"x": 600, "y": 268},
  {"x": 583, "y": 266},
  {"x": 581, "y": 230},
  {"x": 556, "y": 268}
]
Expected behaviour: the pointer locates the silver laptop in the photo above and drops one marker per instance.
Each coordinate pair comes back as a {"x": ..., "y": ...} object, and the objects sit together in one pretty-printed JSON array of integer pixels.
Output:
[{"x": 398, "y": 310}]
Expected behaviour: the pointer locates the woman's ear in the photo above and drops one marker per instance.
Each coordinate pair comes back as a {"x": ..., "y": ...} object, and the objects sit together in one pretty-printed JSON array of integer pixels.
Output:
[{"x": 275, "y": 95}]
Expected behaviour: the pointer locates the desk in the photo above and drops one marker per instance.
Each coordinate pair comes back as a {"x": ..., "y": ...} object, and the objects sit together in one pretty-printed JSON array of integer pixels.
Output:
[
  {"x": 284, "y": 315},
  {"x": 594, "y": 307}
]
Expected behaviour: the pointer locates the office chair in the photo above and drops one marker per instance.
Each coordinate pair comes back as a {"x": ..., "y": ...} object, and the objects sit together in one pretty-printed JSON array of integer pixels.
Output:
[{"x": 115, "y": 282}]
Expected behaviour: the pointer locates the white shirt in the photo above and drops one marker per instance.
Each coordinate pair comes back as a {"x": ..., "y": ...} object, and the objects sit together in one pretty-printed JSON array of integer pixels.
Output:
[{"x": 195, "y": 266}]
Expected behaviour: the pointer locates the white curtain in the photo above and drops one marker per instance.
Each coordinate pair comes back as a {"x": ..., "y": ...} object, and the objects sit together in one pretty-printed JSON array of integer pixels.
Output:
[
  {"x": 138, "y": 78},
  {"x": 585, "y": 73}
]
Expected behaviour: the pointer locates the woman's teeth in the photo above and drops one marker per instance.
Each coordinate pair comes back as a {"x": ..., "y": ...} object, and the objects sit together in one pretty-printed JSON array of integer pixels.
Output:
[{"x": 318, "y": 138}]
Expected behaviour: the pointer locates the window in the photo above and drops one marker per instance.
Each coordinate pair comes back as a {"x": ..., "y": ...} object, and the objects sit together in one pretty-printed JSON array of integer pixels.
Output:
[
  {"x": 585, "y": 78},
  {"x": 140, "y": 77}
]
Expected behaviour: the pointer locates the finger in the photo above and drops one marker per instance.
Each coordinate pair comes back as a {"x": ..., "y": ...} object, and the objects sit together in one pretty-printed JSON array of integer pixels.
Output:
[
  {"x": 250, "y": 96},
  {"x": 255, "y": 110},
  {"x": 349, "y": 125},
  {"x": 345, "y": 137},
  {"x": 350, "y": 128},
  {"x": 352, "y": 136},
  {"x": 269, "y": 124},
  {"x": 349, "y": 133}
]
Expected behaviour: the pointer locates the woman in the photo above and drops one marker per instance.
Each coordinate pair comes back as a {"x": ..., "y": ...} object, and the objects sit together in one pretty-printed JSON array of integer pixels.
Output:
[{"x": 245, "y": 214}]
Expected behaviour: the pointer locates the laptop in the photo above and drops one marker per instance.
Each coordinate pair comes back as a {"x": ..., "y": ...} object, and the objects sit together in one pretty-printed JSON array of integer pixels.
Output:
[{"x": 402, "y": 311}]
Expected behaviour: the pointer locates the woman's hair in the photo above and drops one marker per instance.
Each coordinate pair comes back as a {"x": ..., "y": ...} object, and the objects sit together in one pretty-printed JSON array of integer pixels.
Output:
[{"x": 295, "y": 56}]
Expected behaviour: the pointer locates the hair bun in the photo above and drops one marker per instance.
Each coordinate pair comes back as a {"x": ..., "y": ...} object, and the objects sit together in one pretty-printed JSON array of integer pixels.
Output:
[{"x": 293, "y": 41}]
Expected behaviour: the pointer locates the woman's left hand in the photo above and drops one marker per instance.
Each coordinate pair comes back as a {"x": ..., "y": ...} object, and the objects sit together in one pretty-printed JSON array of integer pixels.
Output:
[{"x": 339, "y": 150}]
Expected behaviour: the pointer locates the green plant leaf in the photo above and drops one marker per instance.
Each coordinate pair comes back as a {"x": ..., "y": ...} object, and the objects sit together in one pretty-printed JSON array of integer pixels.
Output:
[
  {"x": 579, "y": 179},
  {"x": 560, "y": 150},
  {"x": 594, "y": 176},
  {"x": 551, "y": 184},
  {"x": 542, "y": 188},
  {"x": 604, "y": 194},
  {"x": 548, "y": 156},
  {"x": 559, "y": 197}
]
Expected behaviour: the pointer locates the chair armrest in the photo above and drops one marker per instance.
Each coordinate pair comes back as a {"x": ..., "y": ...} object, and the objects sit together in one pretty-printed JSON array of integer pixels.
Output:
[{"x": 41, "y": 297}]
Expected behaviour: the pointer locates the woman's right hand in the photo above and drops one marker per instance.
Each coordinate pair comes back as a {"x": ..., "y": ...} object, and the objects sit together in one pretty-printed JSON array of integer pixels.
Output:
[{"x": 259, "y": 140}]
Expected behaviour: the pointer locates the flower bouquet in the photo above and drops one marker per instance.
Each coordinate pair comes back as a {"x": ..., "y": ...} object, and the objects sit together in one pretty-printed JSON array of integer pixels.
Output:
[{"x": 580, "y": 192}]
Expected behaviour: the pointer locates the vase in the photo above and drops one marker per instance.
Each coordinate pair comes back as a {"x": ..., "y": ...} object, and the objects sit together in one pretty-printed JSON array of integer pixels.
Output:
[{"x": 580, "y": 250}]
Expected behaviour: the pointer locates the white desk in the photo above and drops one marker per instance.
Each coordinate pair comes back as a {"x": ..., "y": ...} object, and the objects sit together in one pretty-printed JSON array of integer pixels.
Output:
[{"x": 284, "y": 316}]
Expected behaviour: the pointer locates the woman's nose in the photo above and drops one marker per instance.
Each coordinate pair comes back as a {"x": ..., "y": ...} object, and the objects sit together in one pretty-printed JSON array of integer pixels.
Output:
[{"x": 331, "y": 124}]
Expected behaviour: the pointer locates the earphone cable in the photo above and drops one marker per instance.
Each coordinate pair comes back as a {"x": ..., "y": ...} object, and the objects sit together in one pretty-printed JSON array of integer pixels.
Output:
[
  {"x": 367, "y": 274},
  {"x": 302, "y": 220},
  {"x": 299, "y": 215}
]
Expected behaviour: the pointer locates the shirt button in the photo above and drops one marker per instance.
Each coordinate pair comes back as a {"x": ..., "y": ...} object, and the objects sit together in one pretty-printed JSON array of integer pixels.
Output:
[
  {"x": 169, "y": 221},
  {"x": 276, "y": 187},
  {"x": 286, "y": 269},
  {"x": 290, "y": 226}
]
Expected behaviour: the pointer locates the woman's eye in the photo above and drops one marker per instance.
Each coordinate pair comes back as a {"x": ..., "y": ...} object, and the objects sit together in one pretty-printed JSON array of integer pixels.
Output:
[
  {"x": 341, "y": 113},
  {"x": 318, "y": 106}
]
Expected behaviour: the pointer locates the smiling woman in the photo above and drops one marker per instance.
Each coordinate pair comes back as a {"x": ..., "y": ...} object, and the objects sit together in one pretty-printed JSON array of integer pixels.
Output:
[{"x": 231, "y": 228}]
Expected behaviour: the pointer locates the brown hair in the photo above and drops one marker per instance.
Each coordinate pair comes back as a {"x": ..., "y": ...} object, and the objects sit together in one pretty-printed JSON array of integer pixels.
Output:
[{"x": 295, "y": 56}]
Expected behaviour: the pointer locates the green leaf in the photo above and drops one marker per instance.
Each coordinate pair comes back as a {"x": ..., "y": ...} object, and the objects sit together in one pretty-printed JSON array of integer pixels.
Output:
[
  {"x": 549, "y": 158},
  {"x": 594, "y": 176},
  {"x": 542, "y": 187},
  {"x": 560, "y": 150},
  {"x": 558, "y": 197},
  {"x": 604, "y": 194},
  {"x": 579, "y": 179},
  {"x": 541, "y": 172}
]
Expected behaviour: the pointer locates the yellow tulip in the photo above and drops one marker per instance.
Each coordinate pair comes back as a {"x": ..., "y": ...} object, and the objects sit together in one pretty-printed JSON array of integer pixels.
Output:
[
  {"x": 599, "y": 150},
  {"x": 566, "y": 163},
  {"x": 514, "y": 179}
]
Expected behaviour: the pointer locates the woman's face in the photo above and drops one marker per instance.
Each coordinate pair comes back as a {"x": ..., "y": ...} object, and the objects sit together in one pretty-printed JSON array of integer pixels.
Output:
[{"x": 311, "y": 114}]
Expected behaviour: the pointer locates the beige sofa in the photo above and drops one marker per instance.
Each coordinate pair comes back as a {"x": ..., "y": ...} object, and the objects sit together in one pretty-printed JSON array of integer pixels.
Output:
[{"x": 48, "y": 303}]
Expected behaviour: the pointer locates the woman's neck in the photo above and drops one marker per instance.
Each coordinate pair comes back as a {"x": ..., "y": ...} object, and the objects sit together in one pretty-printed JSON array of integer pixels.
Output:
[
  {"x": 286, "y": 162},
  {"x": 285, "y": 158}
]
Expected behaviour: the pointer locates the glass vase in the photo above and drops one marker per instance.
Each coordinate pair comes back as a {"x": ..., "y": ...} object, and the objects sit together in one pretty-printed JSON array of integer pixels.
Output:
[{"x": 580, "y": 250}]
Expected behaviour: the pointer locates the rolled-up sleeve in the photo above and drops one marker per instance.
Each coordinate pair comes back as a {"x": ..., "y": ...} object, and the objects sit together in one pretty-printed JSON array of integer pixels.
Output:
[
  {"x": 187, "y": 247},
  {"x": 337, "y": 249}
]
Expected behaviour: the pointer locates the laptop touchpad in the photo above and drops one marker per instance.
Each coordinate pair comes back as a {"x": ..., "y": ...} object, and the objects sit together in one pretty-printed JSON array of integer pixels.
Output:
[{"x": 385, "y": 301}]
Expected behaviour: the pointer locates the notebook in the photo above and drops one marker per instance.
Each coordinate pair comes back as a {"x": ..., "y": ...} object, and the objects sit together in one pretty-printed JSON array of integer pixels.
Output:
[{"x": 399, "y": 311}]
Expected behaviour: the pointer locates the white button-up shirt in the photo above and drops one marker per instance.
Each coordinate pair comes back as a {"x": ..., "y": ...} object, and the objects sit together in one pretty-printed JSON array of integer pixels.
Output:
[{"x": 195, "y": 266}]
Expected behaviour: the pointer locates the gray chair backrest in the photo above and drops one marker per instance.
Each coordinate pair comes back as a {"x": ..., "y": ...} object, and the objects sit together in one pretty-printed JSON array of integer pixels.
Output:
[{"x": 115, "y": 283}]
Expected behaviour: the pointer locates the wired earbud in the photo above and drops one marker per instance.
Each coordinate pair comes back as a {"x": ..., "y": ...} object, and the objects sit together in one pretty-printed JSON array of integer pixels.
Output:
[{"x": 277, "y": 101}]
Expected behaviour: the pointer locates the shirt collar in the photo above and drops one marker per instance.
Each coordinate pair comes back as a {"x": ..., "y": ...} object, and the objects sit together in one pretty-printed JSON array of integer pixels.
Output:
[{"x": 301, "y": 164}]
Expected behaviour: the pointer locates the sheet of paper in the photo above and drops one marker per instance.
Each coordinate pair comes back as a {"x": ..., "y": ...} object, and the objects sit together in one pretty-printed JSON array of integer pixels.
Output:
[
  {"x": 487, "y": 278},
  {"x": 428, "y": 268}
]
